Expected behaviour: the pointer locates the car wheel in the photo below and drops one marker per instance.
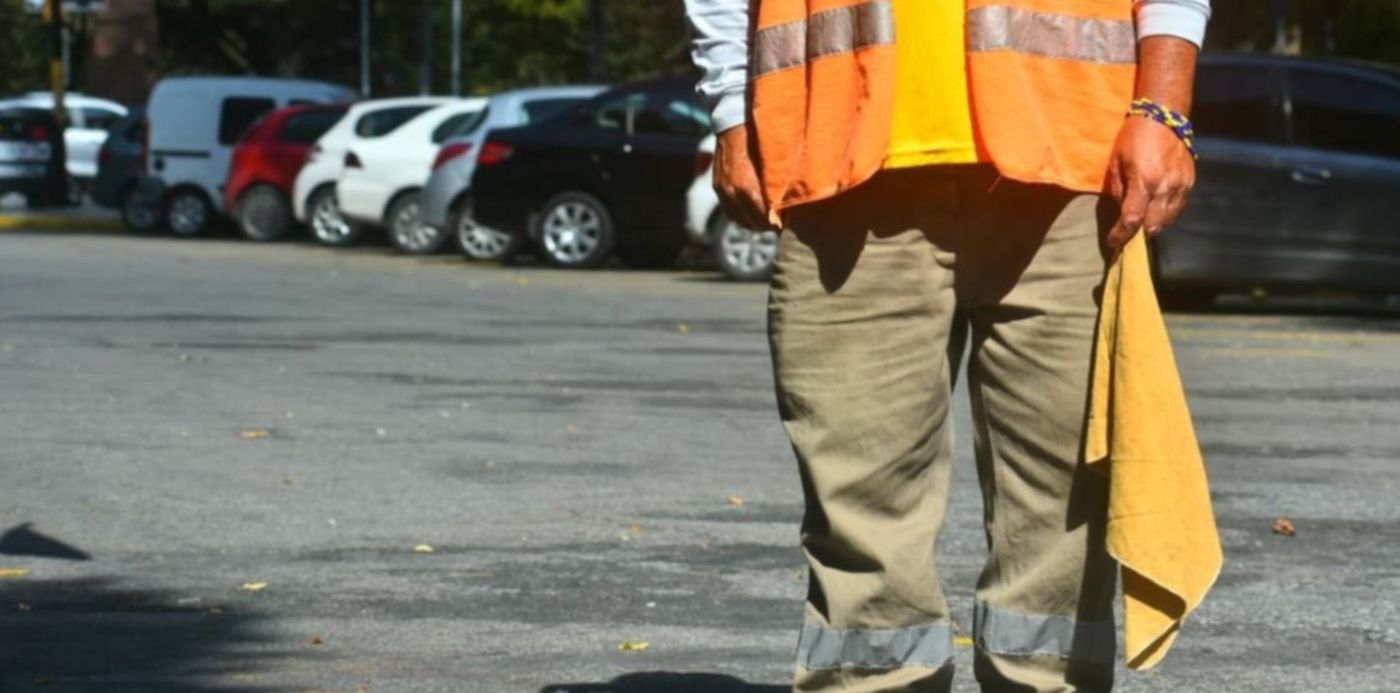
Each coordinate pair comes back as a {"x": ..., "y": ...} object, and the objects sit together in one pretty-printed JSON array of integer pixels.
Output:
[
  {"x": 328, "y": 225},
  {"x": 481, "y": 243},
  {"x": 574, "y": 230},
  {"x": 187, "y": 212},
  {"x": 139, "y": 215},
  {"x": 744, "y": 254},
  {"x": 263, "y": 213},
  {"x": 407, "y": 231}
]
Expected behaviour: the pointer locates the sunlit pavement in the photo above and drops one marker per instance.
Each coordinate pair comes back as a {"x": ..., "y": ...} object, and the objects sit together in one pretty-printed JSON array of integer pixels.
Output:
[{"x": 239, "y": 467}]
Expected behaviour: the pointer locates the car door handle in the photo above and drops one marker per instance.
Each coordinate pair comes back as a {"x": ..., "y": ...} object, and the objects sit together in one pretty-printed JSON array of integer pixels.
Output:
[{"x": 1311, "y": 176}]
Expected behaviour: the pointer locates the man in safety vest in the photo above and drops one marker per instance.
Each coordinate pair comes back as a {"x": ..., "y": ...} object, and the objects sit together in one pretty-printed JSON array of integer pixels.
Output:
[{"x": 948, "y": 174}]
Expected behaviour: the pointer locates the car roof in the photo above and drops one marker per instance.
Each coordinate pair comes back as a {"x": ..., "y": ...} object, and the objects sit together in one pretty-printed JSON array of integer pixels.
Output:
[
  {"x": 579, "y": 90},
  {"x": 248, "y": 81},
  {"x": 360, "y": 107},
  {"x": 69, "y": 99}
]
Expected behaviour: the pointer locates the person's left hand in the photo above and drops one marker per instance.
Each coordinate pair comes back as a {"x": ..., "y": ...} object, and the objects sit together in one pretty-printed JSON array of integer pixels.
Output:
[{"x": 1150, "y": 174}]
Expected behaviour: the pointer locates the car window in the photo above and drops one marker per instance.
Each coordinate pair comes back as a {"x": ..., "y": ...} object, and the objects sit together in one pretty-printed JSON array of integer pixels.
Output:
[
  {"x": 1344, "y": 113},
  {"x": 539, "y": 109},
  {"x": 612, "y": 115},
  {"x": 100, "y": 118},
  {"x": 306, "y": 127},
  {"x": 459, "y": 124},
  {"x": 1233, "y": 101},
  {"x": 384, "y": 121},
  {"x": 670, "y": 115},
  {"x": 238, "y": 113}
]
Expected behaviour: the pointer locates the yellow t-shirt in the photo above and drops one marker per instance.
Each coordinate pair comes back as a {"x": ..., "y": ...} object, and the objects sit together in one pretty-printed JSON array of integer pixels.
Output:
[{"x": 932, "y": 113}]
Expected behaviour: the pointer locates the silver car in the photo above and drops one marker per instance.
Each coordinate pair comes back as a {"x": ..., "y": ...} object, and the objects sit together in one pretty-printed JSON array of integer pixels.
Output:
[{"x": 444, "y": 202}]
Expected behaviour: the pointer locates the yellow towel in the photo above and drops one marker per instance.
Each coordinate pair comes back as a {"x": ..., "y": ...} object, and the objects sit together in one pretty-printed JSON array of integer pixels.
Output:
[{"x": 1160, "y": 525}]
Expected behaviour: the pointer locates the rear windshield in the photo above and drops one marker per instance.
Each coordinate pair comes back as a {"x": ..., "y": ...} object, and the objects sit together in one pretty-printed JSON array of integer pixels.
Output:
[
  {"x": 25, "y": 124},
  {"x": 239, "y": 113},
  {"x": 535, "y": 111},
  {"x": 382, "y": 122},
  {"x": 457, "y": 125},
  {"x": 307, "y": 126}
]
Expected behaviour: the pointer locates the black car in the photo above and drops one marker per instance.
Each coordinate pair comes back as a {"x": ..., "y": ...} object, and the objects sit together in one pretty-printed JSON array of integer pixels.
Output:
[
  {"x": 32, "y": 156},
  {"x": 1298, "y": 183},
  {"x": 119, "y": 170},
  {"x": 609, "y": 175}
]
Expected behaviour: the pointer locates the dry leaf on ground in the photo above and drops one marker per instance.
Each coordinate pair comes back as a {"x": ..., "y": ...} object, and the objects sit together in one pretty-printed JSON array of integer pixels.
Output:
[
  {"x": 315, "y": 640},
  {"x": 253, "y": 586},
  {"x": 423, "y": 548},
  {"x": 683, "y": 328},
  {"x": 253, "y": 433},
  {"x": 1285, "y": 527},
  {"x": 14, "y": 572},
  {"x": 736, "y": 501},
  {"x": 634, "y": 646}
]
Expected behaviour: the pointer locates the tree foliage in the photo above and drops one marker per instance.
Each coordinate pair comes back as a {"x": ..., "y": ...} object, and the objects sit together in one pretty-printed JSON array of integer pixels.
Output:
[{"x": 24, "y": 49}]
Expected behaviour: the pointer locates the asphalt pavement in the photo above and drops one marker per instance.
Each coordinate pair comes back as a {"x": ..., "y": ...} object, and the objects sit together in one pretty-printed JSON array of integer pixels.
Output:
[{"x": 228, "y": 467}]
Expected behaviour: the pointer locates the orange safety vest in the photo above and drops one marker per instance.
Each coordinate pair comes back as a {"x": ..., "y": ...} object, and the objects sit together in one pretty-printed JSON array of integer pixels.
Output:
[{"x": 1049, "y": 82}]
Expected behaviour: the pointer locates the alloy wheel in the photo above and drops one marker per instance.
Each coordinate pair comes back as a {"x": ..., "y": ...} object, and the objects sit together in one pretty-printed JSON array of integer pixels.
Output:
[{"x": 572, "y": 232}]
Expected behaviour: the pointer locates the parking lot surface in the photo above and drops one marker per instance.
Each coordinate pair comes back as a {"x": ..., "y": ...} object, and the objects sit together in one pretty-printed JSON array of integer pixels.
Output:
[{"x": 236, "y": 467}]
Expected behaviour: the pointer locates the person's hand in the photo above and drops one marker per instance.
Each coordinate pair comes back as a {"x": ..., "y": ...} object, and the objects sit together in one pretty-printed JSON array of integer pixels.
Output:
[
  {"x": 736, "y": 180},
  {"x": 1150, "y": 174}
]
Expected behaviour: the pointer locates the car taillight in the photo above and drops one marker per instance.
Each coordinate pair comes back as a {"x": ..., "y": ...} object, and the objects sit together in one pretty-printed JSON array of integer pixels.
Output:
[
  {"x": 352, "y": 161},
  {"x": 39, "y": 133},
  {"x": 103, "y": 155},
  {"x": 450, "y": 152},
  {"x": 703, "y": 161},
  {"x": 493, "y": 153}
]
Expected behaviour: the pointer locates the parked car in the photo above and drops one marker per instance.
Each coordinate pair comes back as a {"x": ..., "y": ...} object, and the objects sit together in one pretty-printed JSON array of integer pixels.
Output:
[
  {"x": 313, "y": 194},
  {"x": 610, "y": 174},
  {"x": 444, "y": 209},
  {"x": 1298, "y": 183},
  {"x": 89, "y": 119},
  {"x": 742, "y": 254},
  {"x": 31, "y": 155},
  {"x": 119, "y": 172},
  {"x": 266, "y": 162},
  {"x": 194, "y": 123},
  {"x": 384, "y": 177}
]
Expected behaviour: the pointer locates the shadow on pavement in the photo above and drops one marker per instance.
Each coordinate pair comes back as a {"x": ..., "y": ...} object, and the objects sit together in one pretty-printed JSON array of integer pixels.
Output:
[
  {"x": 91, "y": 634},
  {"x": 23, "y": 541},
  {"x": 666, "y": 682}
]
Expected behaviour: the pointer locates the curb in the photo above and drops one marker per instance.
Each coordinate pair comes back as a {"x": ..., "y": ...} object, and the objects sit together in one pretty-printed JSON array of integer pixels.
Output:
[{"x": 74, "y": 224}]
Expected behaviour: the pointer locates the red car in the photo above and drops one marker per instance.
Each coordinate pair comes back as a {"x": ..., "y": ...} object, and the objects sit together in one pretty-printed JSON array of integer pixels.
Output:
[{"x": 266, "y": 162}]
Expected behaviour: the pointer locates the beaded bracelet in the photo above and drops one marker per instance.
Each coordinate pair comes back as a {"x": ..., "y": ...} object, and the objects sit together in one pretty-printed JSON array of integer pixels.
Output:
[{"x": 1180, "y": 125}]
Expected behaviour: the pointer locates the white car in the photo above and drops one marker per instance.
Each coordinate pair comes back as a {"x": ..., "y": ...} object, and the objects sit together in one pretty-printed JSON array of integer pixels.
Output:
[
  {"x": 742, "y": 254},
  {"x": 383, "y": 179},
  {"x": 313, "y": 195},
  {"x": 88, "y": 121}
]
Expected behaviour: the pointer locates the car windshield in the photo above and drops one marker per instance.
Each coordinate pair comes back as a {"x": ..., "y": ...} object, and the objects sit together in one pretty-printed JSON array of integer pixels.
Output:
[{"x": 384, "y": 121}]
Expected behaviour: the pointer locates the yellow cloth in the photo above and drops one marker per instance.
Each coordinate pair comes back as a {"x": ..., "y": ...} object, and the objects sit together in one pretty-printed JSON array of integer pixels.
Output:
[
  {"x": 932, "y": 111},
  {"x": 1160, "y": 524}
]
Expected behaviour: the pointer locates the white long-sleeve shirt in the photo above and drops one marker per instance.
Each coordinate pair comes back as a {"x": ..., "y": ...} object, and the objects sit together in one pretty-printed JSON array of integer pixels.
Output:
[{"x": 722, "y": 35}]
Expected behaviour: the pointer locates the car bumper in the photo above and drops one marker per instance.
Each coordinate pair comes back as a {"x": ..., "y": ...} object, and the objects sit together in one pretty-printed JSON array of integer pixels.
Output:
[{"x": 446, "y": 186}]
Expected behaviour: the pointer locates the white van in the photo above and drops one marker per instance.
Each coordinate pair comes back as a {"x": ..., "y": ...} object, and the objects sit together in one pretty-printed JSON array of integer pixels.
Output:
[{"x": 194, "y": 122}]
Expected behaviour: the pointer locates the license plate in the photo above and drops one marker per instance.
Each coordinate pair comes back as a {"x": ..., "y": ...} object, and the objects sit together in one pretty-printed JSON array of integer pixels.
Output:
[{"x": 25, "y": 151}]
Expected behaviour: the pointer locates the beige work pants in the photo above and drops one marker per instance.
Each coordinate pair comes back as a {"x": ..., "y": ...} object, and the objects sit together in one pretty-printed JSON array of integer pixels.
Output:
[{"x": 874, "y": 295}]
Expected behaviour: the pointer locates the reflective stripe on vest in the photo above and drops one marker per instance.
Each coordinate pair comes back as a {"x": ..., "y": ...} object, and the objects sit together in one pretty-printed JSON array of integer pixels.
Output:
[
  {"x": 841, "y": 30},
  {"x": 1049, "y": 35}
]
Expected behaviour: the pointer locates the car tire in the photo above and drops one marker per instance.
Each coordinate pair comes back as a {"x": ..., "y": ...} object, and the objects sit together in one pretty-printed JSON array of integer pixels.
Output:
[
  {"x": 743, "y": 254},
  {"x": 574, "y": 230},
  {"x": 139, "y": 216},
  {"x": 407, "y": 232},
  {"x": 480, "y": 243},
  {"x": 188, "y": 213},
  {"x": 263, "y": 213},
  {"x": 328, "y": 226}
]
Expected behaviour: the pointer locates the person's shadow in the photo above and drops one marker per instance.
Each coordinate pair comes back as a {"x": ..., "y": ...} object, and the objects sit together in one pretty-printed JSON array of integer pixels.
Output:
[{"x": 666, "y": 682}]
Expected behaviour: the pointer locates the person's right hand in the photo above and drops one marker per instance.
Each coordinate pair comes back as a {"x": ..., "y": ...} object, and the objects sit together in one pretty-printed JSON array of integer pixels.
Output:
[{"x": 736, "y": 180}]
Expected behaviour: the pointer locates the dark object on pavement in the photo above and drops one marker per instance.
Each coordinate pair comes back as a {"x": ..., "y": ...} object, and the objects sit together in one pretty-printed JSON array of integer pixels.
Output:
[
  {"x": 610, "y": 174},
  {"x": 23, "y": 541}
]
